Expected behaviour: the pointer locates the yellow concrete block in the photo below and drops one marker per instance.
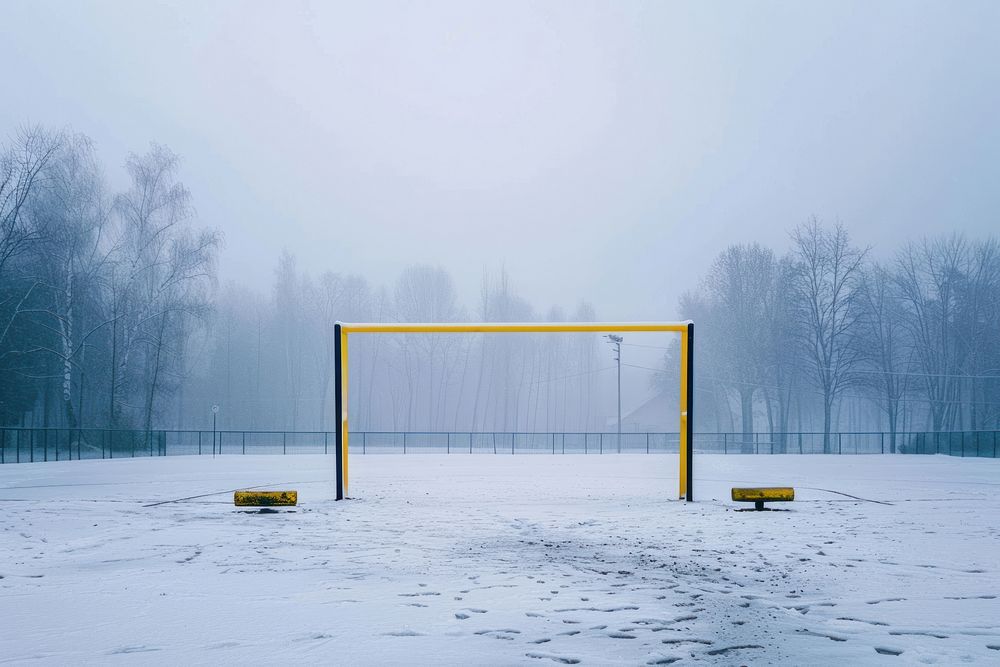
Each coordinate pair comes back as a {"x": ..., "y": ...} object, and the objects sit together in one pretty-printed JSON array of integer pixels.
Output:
[
  {"x": 265, "y": 498},
  {"x": 766, "y": 494}
]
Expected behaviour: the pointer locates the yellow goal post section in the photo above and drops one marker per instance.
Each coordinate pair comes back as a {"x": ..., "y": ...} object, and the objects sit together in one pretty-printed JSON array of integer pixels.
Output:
[{"x": 342, "y": 330}]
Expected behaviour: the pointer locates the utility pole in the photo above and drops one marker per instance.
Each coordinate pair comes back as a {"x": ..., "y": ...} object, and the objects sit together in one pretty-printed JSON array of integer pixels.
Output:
[{"x": 617, "y": 342}]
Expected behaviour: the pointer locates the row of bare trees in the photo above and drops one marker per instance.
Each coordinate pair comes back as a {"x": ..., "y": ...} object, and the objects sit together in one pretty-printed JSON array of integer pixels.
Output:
[
  {"x": 827, "y": 337},
  {"x": 100, "y": 292},
  {"x": 269, "y": 359},
  {"x": 109, "y": 317}
]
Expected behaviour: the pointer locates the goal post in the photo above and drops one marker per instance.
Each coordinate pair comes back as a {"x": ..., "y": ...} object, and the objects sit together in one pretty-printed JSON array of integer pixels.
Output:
[{"x": 343, "y": 330}]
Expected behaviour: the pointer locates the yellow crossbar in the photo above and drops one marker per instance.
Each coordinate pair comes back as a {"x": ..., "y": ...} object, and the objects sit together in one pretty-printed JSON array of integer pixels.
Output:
[
  {"x": 767, "y": 494},
  {"x": 511, "y": 327},
  {"x": 265, "y": 498}
]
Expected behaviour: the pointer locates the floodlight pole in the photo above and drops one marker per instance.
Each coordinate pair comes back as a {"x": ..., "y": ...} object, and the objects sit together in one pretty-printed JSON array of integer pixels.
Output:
[{"x": 617, "y": 342}]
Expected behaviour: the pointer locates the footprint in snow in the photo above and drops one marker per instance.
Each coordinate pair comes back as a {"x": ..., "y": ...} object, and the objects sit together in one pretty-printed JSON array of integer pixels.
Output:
[
  {"x": 724, "y": 651},
  {"x": 824, "y": 635},
  {"x": 555, "y": 658},
  {"x": 141, "y": 648}
]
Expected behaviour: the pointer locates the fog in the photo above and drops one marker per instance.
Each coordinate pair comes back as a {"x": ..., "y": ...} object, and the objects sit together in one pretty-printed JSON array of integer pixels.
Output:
[{"x": 588, "y": 158}]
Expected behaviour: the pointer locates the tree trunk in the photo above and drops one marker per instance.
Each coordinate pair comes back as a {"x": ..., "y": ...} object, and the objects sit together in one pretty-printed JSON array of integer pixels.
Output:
[
  {"x": 746, "y": 409},
  {"x": 827, "y": 415}
]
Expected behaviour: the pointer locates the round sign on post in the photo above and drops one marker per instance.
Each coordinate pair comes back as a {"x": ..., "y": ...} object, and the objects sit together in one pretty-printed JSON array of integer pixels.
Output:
[{"x": 215, "y": 409}]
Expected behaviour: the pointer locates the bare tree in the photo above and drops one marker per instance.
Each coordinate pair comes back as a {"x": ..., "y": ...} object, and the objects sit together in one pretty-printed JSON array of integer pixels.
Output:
[
  {"x": 929, "y": 278},
  {"x": 781, "y": 354},
  {"x": 162, "y": 272},
  {"x": 827, "y": 287},
  {"x": 883, "y": 345},
  {"x": 739, "y": 285},
  {"x": 22, "y": 166}
]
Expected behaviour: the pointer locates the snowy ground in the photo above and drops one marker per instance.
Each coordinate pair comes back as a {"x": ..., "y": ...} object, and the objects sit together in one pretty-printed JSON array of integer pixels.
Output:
[{"x": 489, "y": 559}]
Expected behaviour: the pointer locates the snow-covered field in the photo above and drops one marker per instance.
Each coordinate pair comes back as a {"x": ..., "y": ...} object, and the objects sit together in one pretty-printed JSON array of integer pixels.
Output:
[{"x": 489, "y": 559}]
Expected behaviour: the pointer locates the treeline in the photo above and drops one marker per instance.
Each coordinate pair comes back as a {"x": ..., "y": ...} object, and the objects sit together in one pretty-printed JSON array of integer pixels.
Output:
[
  {"x": 110, "y": 317},
  {"x": 101, "y": 292},
  {"x": 828, "y": 337},
  {"x": 269, "y": 362}
]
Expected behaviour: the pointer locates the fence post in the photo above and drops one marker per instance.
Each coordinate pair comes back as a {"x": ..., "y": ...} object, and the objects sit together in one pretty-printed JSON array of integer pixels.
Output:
[
  {"x": 647, "y": 442},
  {"x": 840, "y": 443},
  {"x": 883, "y": 442},
  {"x": 31, "y": 442},
  {"x": 601, "y": 451},
  {"x": 963, "y": 444},
  {"x": 45, "y": 446},
  {"x": 245, "y": 442},
  {"x": 199, "y": 443},
  {"x": 494, "y": 442},
  {"x": 553, "y": 442},
  {"x": 512, "y": 443},
  {"x": 564, "y": 443},
  {"x": 364, "y": 442},
  {"x": 404, "y": 442},
  {"x": 284, "y": 442},
  {"x": 448, "y": 450}
]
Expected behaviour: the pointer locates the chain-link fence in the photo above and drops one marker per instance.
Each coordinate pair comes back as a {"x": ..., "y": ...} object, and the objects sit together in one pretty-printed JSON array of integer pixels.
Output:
[{"x": 22, "y": 445}]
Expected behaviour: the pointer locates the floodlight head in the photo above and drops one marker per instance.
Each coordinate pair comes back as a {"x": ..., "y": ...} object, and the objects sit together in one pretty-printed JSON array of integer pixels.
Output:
[{"x": 614, "y": 338}]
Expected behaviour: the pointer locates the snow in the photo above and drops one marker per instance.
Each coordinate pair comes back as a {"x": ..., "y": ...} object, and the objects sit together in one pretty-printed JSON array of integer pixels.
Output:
[{"x": 492, "y": 559}]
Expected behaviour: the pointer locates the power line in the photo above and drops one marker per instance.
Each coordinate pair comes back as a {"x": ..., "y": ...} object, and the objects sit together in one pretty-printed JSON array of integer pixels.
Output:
[
  {"x": 930, "y": 375},
  {"x": 650, "y": 347},
  {"x": 760, "y": 385}
]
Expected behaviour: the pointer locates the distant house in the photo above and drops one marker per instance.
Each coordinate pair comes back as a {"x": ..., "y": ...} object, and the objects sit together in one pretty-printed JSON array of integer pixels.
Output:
[{"x": 659, "y": 414}]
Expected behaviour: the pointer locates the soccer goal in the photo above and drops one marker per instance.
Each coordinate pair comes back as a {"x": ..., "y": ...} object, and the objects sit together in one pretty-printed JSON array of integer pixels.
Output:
[{"x": 343, "y": 330}]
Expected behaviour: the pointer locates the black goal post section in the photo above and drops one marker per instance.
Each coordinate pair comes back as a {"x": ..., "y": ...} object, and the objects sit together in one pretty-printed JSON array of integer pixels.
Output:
[
  {"x": 689, "y": 472},
  {"x": 339, "y": 407}
]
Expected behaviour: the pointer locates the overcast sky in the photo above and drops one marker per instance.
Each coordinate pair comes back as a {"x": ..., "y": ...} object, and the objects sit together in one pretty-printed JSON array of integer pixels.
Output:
[{"x": 601, "y": 151}]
